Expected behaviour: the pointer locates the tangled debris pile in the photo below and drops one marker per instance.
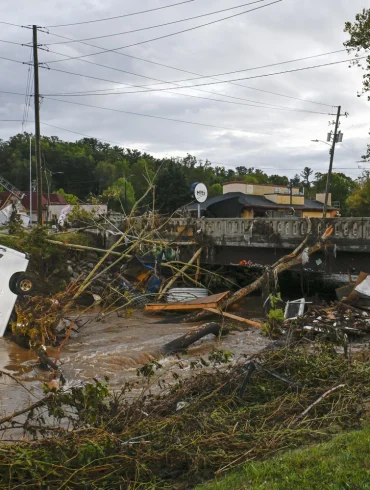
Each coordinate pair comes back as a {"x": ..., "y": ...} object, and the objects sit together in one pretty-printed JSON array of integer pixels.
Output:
[{"x": 193, "y": 428}]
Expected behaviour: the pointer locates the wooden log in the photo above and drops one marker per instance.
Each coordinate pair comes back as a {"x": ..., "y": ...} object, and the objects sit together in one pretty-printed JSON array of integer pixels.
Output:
[
  {"x": 234, "y": 317},
  {"x": 192, "y": 336}
]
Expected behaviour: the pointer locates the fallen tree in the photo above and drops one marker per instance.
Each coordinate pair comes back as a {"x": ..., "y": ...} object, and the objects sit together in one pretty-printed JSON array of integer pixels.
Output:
[{"x": 283, "y": 264}]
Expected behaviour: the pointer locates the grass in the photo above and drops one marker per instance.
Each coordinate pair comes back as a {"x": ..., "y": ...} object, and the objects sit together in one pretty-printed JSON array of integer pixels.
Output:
[{"x": 342, "y": 463}]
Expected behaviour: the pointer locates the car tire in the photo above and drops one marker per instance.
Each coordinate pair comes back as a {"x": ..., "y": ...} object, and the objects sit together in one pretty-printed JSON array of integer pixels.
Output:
[{"x": 22, "y": 284}]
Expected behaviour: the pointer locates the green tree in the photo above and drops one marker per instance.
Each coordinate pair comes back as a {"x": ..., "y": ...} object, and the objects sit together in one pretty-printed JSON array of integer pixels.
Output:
[
  {"x": 215, "y": 190},
  {"x": 341, "y": 187},
  {"x": 359, "y": 32},
  {"x": 172, "y": 187},
  {"x": 359, "y": 200},
  {"x": 278, "y": 180},
  {"x": 306, "y": 174},
  {"x": 141, "y": 175},
  {"x": 70, "y": 198},
  {"x": 120, "y": 195}
]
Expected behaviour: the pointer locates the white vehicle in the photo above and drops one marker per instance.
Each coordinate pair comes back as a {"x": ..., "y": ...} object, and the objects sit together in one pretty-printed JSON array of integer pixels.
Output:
[{"x": 13, "y": 282}]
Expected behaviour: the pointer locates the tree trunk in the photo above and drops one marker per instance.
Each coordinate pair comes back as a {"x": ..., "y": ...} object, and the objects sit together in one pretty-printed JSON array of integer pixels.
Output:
[{"x": 195, "y": 334}]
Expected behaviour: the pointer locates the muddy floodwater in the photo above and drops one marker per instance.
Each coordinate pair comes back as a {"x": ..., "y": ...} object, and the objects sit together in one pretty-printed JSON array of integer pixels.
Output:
[{"x": 114, "y": 347}]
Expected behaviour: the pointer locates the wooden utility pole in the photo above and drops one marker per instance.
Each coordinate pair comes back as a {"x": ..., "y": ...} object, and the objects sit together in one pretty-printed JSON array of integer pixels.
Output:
[
  {"x": 37, "y": 126},
  {"x": 332, "y": 151}
]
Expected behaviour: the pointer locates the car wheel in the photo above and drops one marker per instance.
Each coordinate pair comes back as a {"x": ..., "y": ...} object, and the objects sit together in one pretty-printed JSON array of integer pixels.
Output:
[{"x": 22, "y": 284}]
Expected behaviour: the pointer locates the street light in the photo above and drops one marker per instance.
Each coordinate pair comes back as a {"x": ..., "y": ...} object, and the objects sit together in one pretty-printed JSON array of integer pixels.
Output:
[{"x": 321, "y": 141}]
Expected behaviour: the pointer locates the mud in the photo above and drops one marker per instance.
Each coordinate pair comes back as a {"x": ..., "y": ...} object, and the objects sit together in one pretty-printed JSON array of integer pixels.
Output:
[{"x": 116, "y": 347}]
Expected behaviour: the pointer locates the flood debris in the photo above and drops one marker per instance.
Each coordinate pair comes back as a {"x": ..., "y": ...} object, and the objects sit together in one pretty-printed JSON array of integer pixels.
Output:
[{"x": 176, "y": 434}]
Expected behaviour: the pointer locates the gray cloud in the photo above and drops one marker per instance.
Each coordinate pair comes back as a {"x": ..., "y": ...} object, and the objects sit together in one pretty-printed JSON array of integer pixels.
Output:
[{"x": 288, "y": 30}]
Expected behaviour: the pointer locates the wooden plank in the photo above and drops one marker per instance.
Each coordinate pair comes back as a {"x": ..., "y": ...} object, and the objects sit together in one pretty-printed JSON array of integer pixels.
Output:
[
  {"x": 234, "y": 317},
  {"x": 195, "y": 304},
  {"x": 179, "y": 306}
]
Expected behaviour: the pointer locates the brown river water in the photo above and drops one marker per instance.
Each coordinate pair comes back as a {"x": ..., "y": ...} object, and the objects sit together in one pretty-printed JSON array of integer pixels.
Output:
[{"x": 114, "y": 347}]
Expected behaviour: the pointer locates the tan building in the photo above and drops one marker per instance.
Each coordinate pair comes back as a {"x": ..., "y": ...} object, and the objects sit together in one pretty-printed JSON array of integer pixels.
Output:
[
  {"x": 242, "y": 200},
  {"x": 279, "y": 200}
]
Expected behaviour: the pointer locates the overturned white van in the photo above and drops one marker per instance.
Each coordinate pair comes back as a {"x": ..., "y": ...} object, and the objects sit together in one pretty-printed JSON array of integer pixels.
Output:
[{"x": 13, "y": 282}]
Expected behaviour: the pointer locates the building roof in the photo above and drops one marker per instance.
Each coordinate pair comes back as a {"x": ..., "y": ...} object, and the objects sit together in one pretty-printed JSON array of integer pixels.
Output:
[
  {"x": 252, "y": 201},
  {"x": 262, "y": 185},
  {"x": 55, "y": 199}
]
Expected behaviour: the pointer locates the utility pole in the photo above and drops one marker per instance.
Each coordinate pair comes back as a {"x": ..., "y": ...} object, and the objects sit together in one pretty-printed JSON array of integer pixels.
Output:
[
  {"x": 332, "y": 151},
  {"x": 37, "y": 125}
]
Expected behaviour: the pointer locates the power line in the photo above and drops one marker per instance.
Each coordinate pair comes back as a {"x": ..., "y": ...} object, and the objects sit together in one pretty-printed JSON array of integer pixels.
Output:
[
  {"x": 27, "y": 99},
  {"x": 10, "y": 120},
  {"x": 155, "y": 117},
  {"x": 14, "y": 61},
  {"x": 225, "y": 81},
  {"x": 122, "y": 16},
  {"x": 175, "y": 83},
  {"x": 10, "y": 42},
  {"x": 265, "y": 106},
  {"x": 158, "y": 25},
  {"x": 213, "y": 77},
  {"x": 239, "y": 71},
  {"x": 11, "y": 93},
  {"x": 167, "y": 35},
  {"x": 79, "y": 134},
  {"x": 187, "y": 95},
  {"x": 172, "y": 68},
  {"x": 10, "y": 24}
]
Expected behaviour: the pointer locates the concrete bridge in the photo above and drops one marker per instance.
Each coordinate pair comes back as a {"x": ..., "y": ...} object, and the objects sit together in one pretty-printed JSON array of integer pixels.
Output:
[{"x": 262, "y": 240}]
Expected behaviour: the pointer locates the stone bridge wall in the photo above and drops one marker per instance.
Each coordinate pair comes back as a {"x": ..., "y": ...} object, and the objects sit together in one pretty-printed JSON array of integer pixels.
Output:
[{"x": 350, "y": 234}]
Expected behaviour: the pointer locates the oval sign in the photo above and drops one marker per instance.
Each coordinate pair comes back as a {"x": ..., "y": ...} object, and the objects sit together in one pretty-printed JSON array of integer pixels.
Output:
[{"x": 200, "y": 192}]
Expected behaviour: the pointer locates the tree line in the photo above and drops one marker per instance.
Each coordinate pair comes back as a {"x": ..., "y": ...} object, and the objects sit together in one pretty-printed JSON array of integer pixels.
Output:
[{"x": 89, "y": 170}]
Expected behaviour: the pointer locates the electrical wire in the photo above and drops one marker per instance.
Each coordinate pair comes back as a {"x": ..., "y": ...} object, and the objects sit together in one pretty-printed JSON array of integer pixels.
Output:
[
  {"x": 122, "y": 16},
  {"x": 225, "y": 81},
  {"x": 235, "y": 71},
  {"x": 158, "y": 25},
  {"x": 28, "y": 95},
  {"x": 177, "y": 69},
  {"x": 10, "y": 42},
  {"x": 14, "y": 61},
  {"x": 176, "y": 83},
  {"x": 11, "y": 93},
  {"x": 265, "y": 106},
  {"x": 188, "y": 95},
  {"x": 10, "y": 24},
  {"x": 155, "y": 117},
  {"x": 166, "y": 35}
]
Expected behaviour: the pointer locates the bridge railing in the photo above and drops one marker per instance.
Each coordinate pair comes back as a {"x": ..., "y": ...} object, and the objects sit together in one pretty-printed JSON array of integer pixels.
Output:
[{"x": 270, "y": 228}]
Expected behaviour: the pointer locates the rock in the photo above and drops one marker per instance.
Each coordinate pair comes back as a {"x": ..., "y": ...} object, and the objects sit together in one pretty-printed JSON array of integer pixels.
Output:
[
  {"x": 91, "y": 265},
  {"x": 63, "y": 325},
  {"x": 70, "y": 270}
]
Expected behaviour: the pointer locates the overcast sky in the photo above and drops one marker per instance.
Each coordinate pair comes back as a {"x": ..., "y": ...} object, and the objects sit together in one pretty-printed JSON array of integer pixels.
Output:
[{"x": 281, "y": 32}]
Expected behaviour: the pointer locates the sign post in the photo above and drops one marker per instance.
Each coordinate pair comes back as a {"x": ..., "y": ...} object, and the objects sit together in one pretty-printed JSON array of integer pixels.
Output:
[{"x": 200, "y": 194}]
